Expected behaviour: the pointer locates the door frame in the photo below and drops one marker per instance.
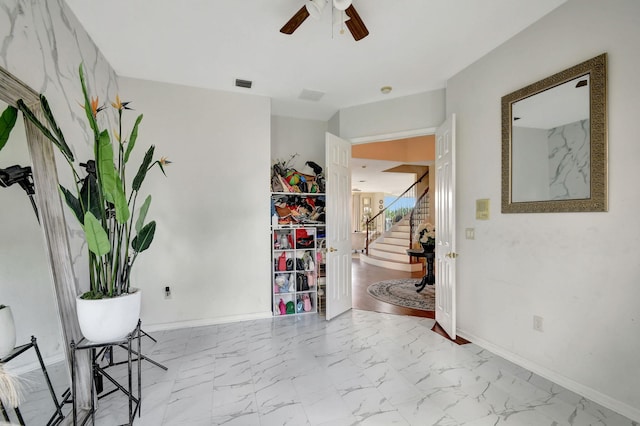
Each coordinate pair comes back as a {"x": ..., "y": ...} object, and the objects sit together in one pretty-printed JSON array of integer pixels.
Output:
[{"x": 425, "y": 131}]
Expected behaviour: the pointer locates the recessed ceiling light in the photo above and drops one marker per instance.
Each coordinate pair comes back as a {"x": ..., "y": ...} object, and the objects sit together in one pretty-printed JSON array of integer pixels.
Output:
[{"x": 386, "y": 90}]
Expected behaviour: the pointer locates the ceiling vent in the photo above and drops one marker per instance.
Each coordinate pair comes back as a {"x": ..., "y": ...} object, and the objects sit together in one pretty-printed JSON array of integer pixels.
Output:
[
  {"x": 244, "y": 83},
  {"x": 311, "y": 95}
]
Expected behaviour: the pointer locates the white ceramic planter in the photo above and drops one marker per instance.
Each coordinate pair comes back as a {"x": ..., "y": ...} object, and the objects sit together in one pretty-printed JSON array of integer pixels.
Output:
[
  {"x": 7, "y": 332},
  {"x": 109, "y": 320}
]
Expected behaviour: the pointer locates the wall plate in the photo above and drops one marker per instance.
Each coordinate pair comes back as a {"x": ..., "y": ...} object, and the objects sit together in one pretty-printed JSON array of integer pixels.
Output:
[{"x": 482, "y": 209}]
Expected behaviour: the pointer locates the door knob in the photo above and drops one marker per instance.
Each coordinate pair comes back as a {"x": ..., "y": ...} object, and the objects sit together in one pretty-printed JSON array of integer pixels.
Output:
[{"x": 331, "y": 249}]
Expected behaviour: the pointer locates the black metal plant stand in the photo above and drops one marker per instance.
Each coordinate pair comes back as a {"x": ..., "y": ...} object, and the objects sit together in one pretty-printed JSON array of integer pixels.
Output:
[
  {"x": 57, "y": 416},
  {"x": 429, "y": 278},
  {"x": 99, "y": 371},
  {"x": 107, "y": 353}
]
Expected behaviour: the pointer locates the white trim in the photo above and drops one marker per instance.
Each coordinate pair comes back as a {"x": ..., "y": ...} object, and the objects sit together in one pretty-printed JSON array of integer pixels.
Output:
[
  {"x": 392, "y": 136},
  {"x": 205, "y": 322},
  {"x": 598, "y": 397},
  {"x": 35, "y": 366}
]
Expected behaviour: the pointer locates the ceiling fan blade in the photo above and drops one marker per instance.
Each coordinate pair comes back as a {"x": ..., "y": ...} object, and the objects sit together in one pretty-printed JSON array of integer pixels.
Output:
[
  {"x": 355, "y": 24},
  {"x": 295, "y": 21}
]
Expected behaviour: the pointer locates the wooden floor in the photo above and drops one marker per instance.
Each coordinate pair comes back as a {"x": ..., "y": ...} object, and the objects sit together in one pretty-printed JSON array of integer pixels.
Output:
[{"x": 363, "y": 275}]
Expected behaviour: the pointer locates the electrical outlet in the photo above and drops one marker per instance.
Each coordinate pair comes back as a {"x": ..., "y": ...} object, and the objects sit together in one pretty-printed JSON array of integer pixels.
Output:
[
  {"x": 470, "y": 233},
  {"x": 538, "y": 323},
  {"x": 167, "y": 292}
]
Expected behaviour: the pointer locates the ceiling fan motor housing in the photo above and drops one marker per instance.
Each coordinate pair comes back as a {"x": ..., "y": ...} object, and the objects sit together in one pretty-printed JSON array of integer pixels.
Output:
[{"x": 341, "y": 4}]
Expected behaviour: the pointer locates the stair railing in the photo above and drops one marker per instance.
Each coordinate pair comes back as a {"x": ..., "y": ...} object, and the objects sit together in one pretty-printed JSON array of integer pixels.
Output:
[
  {"x": 419, "y": 214},
  {"x": 375, "y": 226}
]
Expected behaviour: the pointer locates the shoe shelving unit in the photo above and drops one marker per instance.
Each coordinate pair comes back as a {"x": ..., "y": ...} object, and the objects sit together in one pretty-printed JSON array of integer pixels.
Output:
[
  {"x": 298, "y": 270},
  {"x": 321, "y": 242}
]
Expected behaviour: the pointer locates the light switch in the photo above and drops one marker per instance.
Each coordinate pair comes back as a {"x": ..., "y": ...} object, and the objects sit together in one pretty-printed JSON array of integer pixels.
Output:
[{"x": 470, "y": 233}]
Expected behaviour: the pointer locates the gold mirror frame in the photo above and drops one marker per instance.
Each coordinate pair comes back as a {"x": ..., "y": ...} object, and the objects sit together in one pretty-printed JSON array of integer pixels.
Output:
[{"x": 597, "y": 69}]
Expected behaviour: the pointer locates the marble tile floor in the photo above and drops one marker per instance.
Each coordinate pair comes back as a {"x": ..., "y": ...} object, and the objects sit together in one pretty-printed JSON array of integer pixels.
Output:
[
  {"x": 38, "y": 406},
  {"x": 362, "y": 368}
]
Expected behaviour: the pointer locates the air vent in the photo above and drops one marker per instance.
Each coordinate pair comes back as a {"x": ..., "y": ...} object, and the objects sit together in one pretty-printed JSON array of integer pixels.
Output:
[
  {"x": 244, "y": 83},
  {"x": 311, "y": 95}
]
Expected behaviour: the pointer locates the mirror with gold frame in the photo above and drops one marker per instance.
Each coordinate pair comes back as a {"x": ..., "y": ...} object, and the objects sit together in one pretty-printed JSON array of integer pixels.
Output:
[{"x": 554, "y": 142}]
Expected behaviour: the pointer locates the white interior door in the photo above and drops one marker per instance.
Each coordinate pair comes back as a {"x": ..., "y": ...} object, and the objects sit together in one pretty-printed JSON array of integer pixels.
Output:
[
  {"x": 338, "y": 218},
  {"x": 445, "y": 226}
]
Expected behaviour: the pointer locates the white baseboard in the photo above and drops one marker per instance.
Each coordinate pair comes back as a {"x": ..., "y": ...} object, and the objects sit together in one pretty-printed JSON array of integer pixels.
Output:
[
  {"x": 598, "y": 397},
  {"x": 204, "y": 322},
  {"x": 33, "y": 366}
]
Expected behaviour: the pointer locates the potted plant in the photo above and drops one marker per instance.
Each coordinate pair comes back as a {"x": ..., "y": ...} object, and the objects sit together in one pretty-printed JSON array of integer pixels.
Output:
[
  {"x": 7, "y": 331},
  {"x": 104, "y": 202},
  {"x": 426, "y": 236}
]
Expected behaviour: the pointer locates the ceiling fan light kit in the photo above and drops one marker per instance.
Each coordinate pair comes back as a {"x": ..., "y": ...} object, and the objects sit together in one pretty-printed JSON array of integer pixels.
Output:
[{"x": 315, "y": 7}]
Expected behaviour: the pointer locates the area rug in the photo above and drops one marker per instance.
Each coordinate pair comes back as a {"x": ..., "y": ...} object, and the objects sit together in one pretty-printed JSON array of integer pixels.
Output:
[{"x": 403, "y": 293}]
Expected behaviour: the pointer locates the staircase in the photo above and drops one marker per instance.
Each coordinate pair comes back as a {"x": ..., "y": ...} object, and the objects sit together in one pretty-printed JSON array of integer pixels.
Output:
[{"x": 390, "y": 249}]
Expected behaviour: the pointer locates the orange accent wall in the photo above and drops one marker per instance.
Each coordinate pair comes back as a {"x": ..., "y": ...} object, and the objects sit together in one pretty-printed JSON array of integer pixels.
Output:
[{"x": 419, "y": 148}]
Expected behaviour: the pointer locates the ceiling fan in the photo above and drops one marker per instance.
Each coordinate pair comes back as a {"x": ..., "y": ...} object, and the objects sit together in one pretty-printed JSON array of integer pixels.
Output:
[{"x": 314, "y": 8}]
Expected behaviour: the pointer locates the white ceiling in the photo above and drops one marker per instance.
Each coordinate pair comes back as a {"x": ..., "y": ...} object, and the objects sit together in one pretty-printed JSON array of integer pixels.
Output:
[
  {"x": 370, "y": 176},
  {"x": 562, "y": 104},
  {"x": 413, "y": 46}
]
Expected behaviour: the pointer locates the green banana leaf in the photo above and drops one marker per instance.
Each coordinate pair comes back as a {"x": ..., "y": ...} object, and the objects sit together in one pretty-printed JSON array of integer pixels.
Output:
[
  {"x": 7, "y": 122},
  {"x": 73, "y": 203},
  {"x": 45, "y": 131},
  {"x": 90, "y": 196},
  {"x": 87, "y": 104},
  {"x": 143, "y": 213},
  {"x": 132, "y": 138},
  {"x": 143, "y": 240},
  {"x": 144, "y": 167},
  {"x": 97, "y": 238},
  {"x": 54, "y": 126},
  {"x": 111, "y": 185}
]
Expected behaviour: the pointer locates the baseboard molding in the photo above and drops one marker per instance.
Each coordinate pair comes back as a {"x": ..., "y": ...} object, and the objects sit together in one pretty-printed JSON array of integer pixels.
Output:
[
  {"x": 585, "y": 391},
  {"x": 33, "y": 366},
  {"x": 204, "y": 322}
]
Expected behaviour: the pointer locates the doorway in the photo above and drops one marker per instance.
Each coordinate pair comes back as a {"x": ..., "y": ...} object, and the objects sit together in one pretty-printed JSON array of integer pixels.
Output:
[{"x": 385, "y": 165}]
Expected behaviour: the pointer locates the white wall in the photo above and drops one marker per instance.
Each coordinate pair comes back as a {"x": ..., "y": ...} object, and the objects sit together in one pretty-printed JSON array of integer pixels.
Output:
[
  {"x": 424, "y": 110},
  {"x": 43, "y": 44},
  {"x": 530, "y": 164},
  {"x": 212, "y": 210},
  {"x": 579, "y": 271},
  {"x": 298, "y": 136}
]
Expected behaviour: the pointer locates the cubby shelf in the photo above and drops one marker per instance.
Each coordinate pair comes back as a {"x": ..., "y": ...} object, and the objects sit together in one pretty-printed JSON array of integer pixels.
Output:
[{"x": 297, "y": 251}]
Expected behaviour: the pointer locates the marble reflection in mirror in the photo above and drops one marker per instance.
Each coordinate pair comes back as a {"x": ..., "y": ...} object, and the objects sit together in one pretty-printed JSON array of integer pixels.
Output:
[
  {"x": 554, "y": 143},
  {"x": 550, "y": 143},
  {"x": 26, "y": 285}
]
